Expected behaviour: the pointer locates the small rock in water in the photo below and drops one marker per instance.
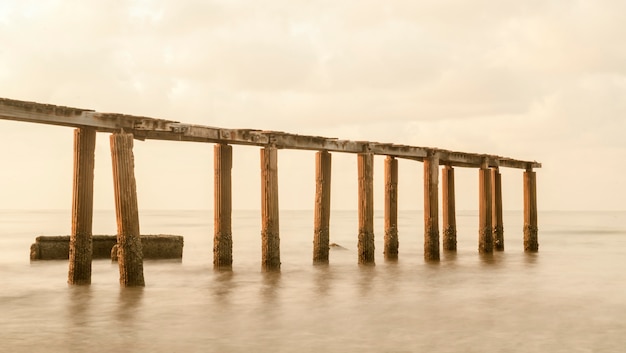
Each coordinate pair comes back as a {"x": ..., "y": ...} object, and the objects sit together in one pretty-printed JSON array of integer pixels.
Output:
[{"x": 337, "y": 246}]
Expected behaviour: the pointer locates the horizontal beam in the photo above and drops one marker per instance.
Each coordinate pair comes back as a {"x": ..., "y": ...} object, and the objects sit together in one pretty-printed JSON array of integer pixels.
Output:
[{"x": 159, "y": 129}]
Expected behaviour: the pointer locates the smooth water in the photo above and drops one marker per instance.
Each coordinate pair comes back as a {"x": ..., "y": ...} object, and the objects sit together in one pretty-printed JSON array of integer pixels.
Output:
[{"x": 569, "y": 297}]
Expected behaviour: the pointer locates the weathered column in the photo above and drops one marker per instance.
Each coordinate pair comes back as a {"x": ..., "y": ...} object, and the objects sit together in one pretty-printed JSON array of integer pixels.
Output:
[
  {"x": 391, "y": 208},
  {"x": 270, "y": 249},
  {"x": 496, "y": 215},
  {"x": 82, "y": 207},
  {"x": 321, "y": 228},
  {"x": 223, "y": 236},
  {"x": 431, "y": 207},
  {"x": 366, "y": 208},
  {"x": 485, "y": 236},
  {"x": 531, "y": 242},
  {"x": 449, "y": 209},
  {"x": 129, "y": 253}
]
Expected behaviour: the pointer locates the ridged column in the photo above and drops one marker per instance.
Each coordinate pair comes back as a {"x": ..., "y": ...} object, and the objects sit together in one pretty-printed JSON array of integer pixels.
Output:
[
  {"x": 82, "y": 207},
  {"x": 531, "y": 243},
  {"x": 366, "y": 208},
  {"x": 391, "y": 209},
  {"x": 431, "y": 208},
  {"x": 130, "y": 256},
  {"x": 270, "y": 239},
  {"x": 321, "y": 227},
  {"x": 223, "y": 237},
  {"x": 485, "y": 236},
  {"x": 449, "y": 209},
  {"x": 496, "y": 216}
]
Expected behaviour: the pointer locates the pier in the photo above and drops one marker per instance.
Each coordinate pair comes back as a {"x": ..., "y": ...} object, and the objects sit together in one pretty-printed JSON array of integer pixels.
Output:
[{"x": 124, "y": 129}]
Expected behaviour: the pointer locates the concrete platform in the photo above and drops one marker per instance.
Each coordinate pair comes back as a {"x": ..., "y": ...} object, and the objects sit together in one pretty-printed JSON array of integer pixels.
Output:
[{"x": 160, "y": 246}]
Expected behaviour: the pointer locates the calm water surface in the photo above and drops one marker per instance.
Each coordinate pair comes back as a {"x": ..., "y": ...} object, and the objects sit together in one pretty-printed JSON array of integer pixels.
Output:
[{"x": 569, "y": 297}]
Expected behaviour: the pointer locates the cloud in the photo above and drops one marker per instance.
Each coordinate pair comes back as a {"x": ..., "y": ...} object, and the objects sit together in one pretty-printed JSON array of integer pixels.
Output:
[{"x": 528, "y": 79}]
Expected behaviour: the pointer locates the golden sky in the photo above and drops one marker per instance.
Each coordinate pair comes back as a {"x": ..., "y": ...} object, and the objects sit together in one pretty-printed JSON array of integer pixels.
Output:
[{"x": 542, "y": 80}]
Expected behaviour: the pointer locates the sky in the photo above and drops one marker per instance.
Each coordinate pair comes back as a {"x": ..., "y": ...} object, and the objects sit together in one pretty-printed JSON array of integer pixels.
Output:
[{"x": 534, "y": 80}]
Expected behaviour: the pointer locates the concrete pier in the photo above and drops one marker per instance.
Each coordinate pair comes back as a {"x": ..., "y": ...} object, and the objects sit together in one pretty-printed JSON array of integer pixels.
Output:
[
  {"x": 449, "y": 209},
  {"x": 366, "y": 208},
  {"x": 223, "y": 235},
  {"x": 130, "y": 256},
  {"x": 124, "y": 129},
  {"x": 321, "y": 225},
  {"x": 80, "y": 246},
  {"x": 391, "y": 209},
  {"x": 431, "y": 208},
  {"x": 270, "y": 238}
]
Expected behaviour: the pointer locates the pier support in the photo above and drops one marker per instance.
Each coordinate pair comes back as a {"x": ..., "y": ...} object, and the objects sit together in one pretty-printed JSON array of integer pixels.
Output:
[
  {"x": 431, "y": 207},
  {"x": 531, "y": 243},
  {"x": 223, "y": 236},
  {"x": 80, "y": 247},
  {"x": 449, "y": 209},
  {"x": 321, "y": 227},
  {"x": 391, "y": 208},
  {"x": 270, "y": 238},
  {"x": 496, "y": 211},
  {"x": 130, "y": 255},
  {"x": 485, "y": 235},
  {"x": 366, "y": 208}
]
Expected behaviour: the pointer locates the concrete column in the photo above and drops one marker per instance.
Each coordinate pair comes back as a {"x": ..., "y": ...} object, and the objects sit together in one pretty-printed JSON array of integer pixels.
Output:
[
  {"x": 223, "y": 237},
  {"x": 485, "y": 236},
  {"x": 82, "y": 207},
  {"x": 531, "y": 243},
  {"x": 496, "y": 215},
  {"x": 391, "y": 208},
  {"x": 129, "y": 251},
  {"x": 270, "y": 249},
  {"x": 321, "y": 228},
  {"x": 431, "y": 208},
  {"x": 449, "y": 209},
  {"x": 366, "y": 208}
]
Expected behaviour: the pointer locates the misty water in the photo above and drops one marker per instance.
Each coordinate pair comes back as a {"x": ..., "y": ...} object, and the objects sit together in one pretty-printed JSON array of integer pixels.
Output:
[{"x": 569, "y": 297}]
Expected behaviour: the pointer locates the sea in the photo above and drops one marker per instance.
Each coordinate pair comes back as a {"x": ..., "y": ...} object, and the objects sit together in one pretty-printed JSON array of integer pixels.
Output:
[{"x": 568, "y": 297}]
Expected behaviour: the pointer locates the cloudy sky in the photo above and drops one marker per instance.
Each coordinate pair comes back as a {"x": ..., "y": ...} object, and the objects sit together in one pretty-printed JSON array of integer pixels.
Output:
[{"x": 538, "y": 80}]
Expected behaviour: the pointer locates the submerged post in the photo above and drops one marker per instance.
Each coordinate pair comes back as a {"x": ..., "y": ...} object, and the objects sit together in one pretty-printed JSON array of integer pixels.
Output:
[
  {"x": 129, "y": 252},
  {"x": 485, "y": 236},
  {"x": 82, "y": 207},
  {"x": 531, "y": 243},
  {"x": 366, "y": 208},
  {"x": 449, "y": 209},
  {"x": 391, "y": 208},
  {"x": 496, "y": 215},
  {"x": 270, "y": 238},
  {"x": 223, "y": 237},
  {"x": 431, "y": 207},
  {"x": 321, "y": 228}
]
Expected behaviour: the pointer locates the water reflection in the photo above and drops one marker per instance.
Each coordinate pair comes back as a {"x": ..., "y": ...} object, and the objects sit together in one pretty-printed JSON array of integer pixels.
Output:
[
  {"x": 78, "y": 318},
  {"x": 129, "y": 305},
  {"x": 323, "y": 277},
  {"x": 223, "y": 285},
  {"x": 367, "y": 273},
  {"x": 270, "y": 286}
]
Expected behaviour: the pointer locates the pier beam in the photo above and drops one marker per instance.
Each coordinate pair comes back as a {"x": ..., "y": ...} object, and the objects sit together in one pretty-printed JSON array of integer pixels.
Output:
[
  {"x": 391, "y": 208},
  {"x": 485, "y": 235},
  {"x": 431, "y": 207},
  {"x": 449, "y": 209},
  {"x": 531, "y": 243},
  {"x": 366, "y": 208},
  {"x": 321, "y": 228},
  {"x": 270, "y": 239},
  {"x": 130, "y": 255},
  {"x": 223, "y": 235},
  {"x": 496, "y": 215},
  {"x": 80, "y": 247}
]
